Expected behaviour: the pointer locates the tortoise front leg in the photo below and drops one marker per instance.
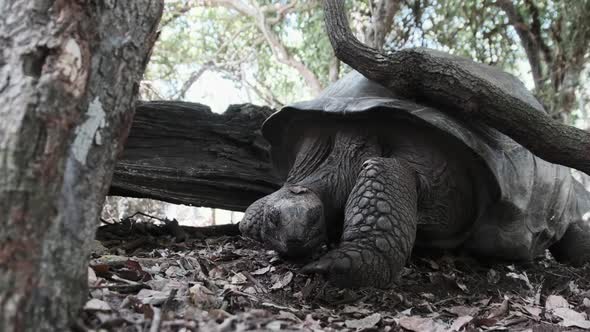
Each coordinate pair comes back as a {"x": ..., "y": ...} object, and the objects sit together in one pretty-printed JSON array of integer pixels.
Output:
[{"x": 379, "y": 227}]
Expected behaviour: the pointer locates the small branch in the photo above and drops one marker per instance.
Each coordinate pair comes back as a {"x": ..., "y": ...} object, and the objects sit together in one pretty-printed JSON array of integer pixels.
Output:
[
  {"x": 156, "y": 320},
  {"x": 334, "y": 70},
  {"x": 176, "y": 14},
  {"x": 527, "y": 37},
  {"x": 193, "y": 78},
  {"x": 536, "y": 31},
  {"x": 381, "y": 22},
  {"x": 282, "y": 11}
]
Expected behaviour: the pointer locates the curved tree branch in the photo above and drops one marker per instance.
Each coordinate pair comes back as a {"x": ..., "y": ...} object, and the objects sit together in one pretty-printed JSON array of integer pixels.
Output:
[{"x": 467, "y": 89}]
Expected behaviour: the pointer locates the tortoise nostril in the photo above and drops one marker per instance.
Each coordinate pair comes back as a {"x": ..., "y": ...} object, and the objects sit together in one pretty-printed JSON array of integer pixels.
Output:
[{"x": 298, "y": 190}]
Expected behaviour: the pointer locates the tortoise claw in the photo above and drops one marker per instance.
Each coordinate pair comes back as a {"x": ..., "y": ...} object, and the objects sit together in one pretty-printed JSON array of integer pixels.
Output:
[
  {"x": 343, "y": 268},
  {"x": 332, "y": 262},
  {"x": 320, "y": 267}
]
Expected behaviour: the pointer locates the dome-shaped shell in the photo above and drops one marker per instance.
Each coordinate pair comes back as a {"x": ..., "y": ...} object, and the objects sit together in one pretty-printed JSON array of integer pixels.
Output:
[{"x": 526, "y": 184}]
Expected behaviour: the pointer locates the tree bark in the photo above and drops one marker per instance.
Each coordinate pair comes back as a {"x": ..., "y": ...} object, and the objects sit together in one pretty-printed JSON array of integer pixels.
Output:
[
  {"x": 69, "y": 73},
  {"x": 183, "y": 153},
  {"x": 527, "y": 39},
  {"x": 466, "y": 88}
]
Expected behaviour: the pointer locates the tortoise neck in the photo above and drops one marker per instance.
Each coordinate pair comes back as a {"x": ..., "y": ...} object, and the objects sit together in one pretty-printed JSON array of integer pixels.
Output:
[{"x": 328, "y": 163}]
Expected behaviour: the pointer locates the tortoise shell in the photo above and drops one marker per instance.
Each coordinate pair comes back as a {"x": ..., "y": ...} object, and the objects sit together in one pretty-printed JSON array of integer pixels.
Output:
[{"x": 531, "y": 207}]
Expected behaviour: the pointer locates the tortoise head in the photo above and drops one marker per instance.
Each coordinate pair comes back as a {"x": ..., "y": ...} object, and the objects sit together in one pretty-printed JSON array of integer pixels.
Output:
[{"x": 292, "y": 221}]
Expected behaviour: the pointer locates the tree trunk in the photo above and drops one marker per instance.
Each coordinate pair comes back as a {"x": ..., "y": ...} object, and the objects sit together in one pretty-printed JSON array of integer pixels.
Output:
[
  {"x": 381, "y": 22},
  {"x": 69, "y": 73},
  {"x": 185, "y": 154},
  {"x": 467, "y": 89}
]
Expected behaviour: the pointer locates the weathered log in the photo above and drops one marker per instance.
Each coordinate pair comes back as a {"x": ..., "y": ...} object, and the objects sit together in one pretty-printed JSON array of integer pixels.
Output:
[
  {"x": 472, "y": 90},
  {"x": 69, "y": 72},
  {"x": 183, "y": 153}
]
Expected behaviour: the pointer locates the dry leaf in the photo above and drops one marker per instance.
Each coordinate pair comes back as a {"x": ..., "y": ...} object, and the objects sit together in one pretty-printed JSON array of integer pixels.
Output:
[
  {"x": 288, "y": 316},
  {"x": 175, "y": 271},
  {"x": 350, "y": 309},
  {"x": 250, "y": 290},
  {"x": 407, "y": 312},
  {"x": 97, "y": 305},
  {"x": 238, "y": 279},
  {"x": 92, "y": 279},
  {"x": 274, "y": 325},
  {"x": 148, "y": 296},
  {"x": 571, "y": 318},
  {"x": 574, "y": 287},
  {"x": 217, "y": 273},
  {"x": 460, "y": 322},
  {"x": 535, "y": 311},
  {"x": 419, "y": 324},
  {"x": 102, "y": 270},
  {"x": 201, "y": 295},
  {"x": 462, "y": 286},
  {"x": 520, "y": 276},
  {"x": 461, "y": 310},
  {"x": 500, "y": 311},
  {"x": 311, "y": 323},
  {"x": 555, "y": 301},
  {"x": 260, "y": 271},
  {"x": 493, "y": 276},
  {"x": 283, "y": 281},
  {"x": 364, "y": 323}
]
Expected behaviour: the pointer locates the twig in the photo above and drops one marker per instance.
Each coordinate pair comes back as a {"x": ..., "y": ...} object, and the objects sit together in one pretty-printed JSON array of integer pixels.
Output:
[
  {"x": 156, "y": 321},
  {"x": 256, "y": 283},
  {"x": 167, "y": 306},
  {"x": 117, "y": 286},
  {"x": 146, "y": 215}
]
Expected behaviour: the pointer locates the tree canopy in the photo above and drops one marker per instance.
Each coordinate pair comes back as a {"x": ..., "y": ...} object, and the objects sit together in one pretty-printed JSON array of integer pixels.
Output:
[{"x": 279, "y": 51}]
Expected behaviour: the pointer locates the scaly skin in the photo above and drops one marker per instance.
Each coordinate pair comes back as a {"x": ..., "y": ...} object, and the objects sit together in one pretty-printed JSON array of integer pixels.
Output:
[
  {"x": 251, "y": 224},
  {"x": 290, "y": 221},
  {"x": 379, "y": 227}
]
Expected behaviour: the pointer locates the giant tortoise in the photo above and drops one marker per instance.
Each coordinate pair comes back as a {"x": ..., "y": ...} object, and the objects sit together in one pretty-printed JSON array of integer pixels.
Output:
[{"x": 375, "y": 176}]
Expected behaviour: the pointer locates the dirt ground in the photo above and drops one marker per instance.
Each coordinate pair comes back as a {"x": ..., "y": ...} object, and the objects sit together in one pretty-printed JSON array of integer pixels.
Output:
[{"x": 144, "y": 277}]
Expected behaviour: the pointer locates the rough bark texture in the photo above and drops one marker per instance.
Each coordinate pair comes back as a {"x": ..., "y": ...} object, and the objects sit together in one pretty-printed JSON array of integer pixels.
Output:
[
  {"x": 69, "y": 73},
  {"x": 183, "y": 153},
  {"x": 471, "y": 90}
]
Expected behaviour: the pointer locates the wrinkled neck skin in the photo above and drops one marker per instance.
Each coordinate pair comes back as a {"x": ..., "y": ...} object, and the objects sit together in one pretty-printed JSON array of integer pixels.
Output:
[{"x": 327, "y": 163}]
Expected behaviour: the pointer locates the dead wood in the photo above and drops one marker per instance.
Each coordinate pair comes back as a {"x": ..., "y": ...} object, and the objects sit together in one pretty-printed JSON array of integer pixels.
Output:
[{"x": 183, "y": 153}]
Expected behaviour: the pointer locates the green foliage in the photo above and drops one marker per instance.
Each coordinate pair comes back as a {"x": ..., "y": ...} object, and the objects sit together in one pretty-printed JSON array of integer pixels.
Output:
[{"x": 234, "y": 44}]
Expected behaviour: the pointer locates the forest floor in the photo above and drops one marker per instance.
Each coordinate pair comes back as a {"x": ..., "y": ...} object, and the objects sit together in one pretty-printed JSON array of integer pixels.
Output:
[{"x": 141, "y": 278}]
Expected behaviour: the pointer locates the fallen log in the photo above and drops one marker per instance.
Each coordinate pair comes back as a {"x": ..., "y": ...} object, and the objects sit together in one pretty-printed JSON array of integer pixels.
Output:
[{"x": 184, "y": 153}]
